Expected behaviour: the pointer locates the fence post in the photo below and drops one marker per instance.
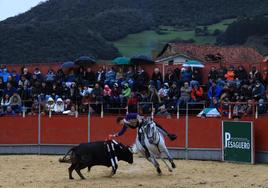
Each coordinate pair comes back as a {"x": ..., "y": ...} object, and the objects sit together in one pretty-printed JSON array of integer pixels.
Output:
[
  {"x": 256, "y": 113},
  {"x": 230, "y": 113},
  {"x": 186, "y": 132},
  {"x": 23, "y": 111},
  {"x": 39, "y": 128},
  {"x": 76, "y": 111},
  {"x": 101, "y": 110},
  {"x": 49, "y": 113},
  {"x": 178, "y": 111},
  {"x": 88, "y": 126}
]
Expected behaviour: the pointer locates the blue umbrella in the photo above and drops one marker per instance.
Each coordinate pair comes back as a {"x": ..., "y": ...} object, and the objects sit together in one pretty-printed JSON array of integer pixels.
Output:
[
  {"x": 85, "y": 61},
  {"x": 193, "y": 63},
  {"x": 121, "y": 61},
  {"x": 141, "y": 59},
  {"x": 68, "y": 65}
]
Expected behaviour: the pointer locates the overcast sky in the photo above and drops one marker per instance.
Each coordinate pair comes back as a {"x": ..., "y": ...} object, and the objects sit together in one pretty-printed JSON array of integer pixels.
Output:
[{"x": 9, "y": 8}]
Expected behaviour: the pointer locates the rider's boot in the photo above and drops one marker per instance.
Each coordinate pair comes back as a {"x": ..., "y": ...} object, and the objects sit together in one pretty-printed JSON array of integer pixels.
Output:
[{"x": 172, "y": 137}]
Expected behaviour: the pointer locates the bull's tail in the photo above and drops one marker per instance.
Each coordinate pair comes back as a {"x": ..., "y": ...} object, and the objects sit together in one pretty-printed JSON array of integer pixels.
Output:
[{"x": 66, "y": 158}]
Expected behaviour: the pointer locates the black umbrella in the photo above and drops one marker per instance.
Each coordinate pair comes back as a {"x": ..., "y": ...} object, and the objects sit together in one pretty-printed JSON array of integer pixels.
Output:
[
  {"x": 85, "y": 61},
  {"x": 141, "y": 59},
  {"x": 68, "y": 65}
]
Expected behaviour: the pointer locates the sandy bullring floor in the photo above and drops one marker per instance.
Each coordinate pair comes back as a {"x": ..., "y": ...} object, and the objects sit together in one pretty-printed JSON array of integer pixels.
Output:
[{"x": 45, "y": 171}]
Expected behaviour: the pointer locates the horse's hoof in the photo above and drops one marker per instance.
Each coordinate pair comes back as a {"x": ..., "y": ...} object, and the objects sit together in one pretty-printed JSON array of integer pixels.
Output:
[{"x": 173, "y": 165}]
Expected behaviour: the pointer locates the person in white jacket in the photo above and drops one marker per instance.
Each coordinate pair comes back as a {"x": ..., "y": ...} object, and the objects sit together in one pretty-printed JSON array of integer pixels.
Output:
[{"x": 59, "y": 106}]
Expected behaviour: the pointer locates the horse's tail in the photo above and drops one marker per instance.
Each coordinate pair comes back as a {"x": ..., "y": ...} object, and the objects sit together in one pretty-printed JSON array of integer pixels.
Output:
[{"x": 64, "y": 159}]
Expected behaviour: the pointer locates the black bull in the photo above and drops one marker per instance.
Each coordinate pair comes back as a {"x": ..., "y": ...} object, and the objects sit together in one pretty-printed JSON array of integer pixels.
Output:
[{"x": 95, "y": 153}]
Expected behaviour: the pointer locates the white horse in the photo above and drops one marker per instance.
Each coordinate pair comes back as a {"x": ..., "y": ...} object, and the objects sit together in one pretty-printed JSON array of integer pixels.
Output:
[{"x": 149, "y": 136}]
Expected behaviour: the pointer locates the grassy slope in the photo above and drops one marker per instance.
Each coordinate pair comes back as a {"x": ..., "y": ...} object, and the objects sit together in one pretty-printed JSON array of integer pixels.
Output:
[{"x": 144, "y": 42}]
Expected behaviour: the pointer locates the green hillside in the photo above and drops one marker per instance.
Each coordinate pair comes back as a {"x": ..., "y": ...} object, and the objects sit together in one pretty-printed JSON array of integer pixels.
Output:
[
  {"x": 146, "y": 41},
  {"x": 58, "y": 30}
]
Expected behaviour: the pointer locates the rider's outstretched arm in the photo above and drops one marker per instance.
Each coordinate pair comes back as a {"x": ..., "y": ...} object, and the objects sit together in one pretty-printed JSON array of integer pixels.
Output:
[{"x": 121, "y": 132}]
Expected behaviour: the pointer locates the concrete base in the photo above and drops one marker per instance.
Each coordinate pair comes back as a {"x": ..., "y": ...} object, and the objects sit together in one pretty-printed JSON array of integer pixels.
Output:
[{"x": 176, "y": 153}]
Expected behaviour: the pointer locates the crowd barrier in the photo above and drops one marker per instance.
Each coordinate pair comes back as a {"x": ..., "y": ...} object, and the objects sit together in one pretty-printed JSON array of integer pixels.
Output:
[
  {"x": 202, "y": 132},
  {"x": 195, "y": 134}
]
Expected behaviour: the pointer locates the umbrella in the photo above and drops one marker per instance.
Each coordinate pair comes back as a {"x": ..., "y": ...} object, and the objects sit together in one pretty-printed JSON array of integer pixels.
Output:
[
  {"x": 68, "y": 65},
  {"x": 193, "y": 63},
  {"x": 141, "y": 59},
  {"x": 85, "y": 61},
  {"x": 209, "y": 112},
  {"x": 121, "y": 61}
]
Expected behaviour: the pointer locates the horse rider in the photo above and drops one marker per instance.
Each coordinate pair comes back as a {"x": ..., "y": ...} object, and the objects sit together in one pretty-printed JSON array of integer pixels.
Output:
[{"x": 133, "y": 121}]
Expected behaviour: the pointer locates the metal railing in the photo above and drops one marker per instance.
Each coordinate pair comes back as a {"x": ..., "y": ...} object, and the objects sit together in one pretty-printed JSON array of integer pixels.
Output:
[{"x": 187, "y": 107}]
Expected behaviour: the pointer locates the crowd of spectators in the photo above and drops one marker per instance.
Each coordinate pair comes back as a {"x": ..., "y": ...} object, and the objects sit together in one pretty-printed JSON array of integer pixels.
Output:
[{"x": 81, "y": 90}]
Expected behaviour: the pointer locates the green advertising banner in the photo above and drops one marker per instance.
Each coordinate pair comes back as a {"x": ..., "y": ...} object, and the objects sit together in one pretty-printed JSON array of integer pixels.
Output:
[{"x": 237, "y": 141}]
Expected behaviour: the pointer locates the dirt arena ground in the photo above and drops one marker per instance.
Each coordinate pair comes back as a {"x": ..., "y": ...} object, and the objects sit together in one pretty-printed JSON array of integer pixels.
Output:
[{"x": 33, "y": 171}]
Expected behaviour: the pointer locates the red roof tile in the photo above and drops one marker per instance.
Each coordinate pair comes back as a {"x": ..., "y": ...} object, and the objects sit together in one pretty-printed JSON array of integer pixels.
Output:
[{"x": 231, "y": 54}]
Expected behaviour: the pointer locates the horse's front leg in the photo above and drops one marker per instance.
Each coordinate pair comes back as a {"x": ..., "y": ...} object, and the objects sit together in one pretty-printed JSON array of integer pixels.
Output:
[
  {"x": 164, "y": 151},
  {"x": 155, "y": 163}
]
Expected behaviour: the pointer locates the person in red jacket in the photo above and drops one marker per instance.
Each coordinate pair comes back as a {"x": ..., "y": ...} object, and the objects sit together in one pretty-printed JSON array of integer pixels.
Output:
[
  {"x": 230, "y": 75},
  {"x": 197, "y": 93}
]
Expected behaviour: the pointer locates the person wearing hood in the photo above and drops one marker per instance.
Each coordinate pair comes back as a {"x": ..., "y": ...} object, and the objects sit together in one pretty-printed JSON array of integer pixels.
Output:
[
  {"x": 115, "y": 95},
  {"x": 15, "y": 103},
  {"x": 126, "y": 92},
  {"x": 50, "y": 104},
  {"x": 107, "y": 92},
  {"x": 37, "y": 73},
  {"x": 59, "y": 106}
]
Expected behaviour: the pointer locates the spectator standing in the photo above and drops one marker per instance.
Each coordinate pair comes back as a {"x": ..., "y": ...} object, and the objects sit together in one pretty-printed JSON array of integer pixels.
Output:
[
  {"x": 254, "y": 74},
  {"x": 100, "y": 76},
  {"x": 213, "y": 74},
  {"x": 221, "y": 72},
  {"x": 241, "y": 75},
  {"x": 214, "y": 92},
  {"x": 173, "y": 95},
  {"x": 185, "y": 94},
  {"x": 141, "y": 78},
  {"x": 90, "y": 77},
  {"x": 157, "y": 78},
  {"x": 170, "y": 77}
]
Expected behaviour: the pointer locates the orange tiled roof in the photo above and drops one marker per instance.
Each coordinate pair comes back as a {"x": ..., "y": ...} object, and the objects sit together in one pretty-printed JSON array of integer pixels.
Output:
[{"x": 231, "y": 54}]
